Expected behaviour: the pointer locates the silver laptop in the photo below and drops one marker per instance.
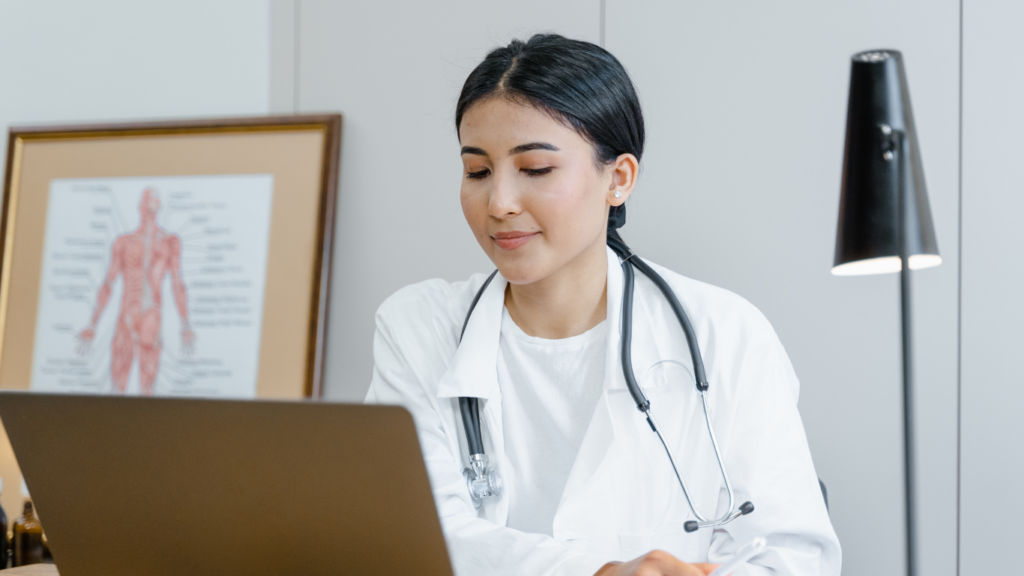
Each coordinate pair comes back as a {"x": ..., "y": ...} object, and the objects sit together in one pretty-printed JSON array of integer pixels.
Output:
[{"x": 128, "y": 486}]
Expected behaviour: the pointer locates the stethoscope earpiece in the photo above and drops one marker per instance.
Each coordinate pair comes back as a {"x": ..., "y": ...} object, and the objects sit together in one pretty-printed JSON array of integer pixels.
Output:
[{"x": 744, "y": 509}]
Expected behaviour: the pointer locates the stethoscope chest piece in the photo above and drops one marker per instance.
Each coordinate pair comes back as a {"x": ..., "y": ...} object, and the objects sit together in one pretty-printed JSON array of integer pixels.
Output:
[{"x": 483, "y": 481}]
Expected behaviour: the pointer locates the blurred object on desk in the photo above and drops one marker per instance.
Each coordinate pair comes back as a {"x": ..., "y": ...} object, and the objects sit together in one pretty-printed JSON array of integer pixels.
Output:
[
  {"x": 27, "y": 540},
  {"x": 4, "y": 544},
  {"x": 33, "y": 570}
]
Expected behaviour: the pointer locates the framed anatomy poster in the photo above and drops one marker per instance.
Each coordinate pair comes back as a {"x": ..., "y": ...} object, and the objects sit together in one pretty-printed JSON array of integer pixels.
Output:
[{"x": 168, "y": 259}]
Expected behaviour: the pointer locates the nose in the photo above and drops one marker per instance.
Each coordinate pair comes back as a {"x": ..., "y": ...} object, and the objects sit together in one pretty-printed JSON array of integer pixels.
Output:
[{"x": 505, "y": 201}]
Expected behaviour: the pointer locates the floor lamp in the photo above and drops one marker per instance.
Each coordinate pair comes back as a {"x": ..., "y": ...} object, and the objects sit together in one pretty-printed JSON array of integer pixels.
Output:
[{"x": 885, "y": 223}]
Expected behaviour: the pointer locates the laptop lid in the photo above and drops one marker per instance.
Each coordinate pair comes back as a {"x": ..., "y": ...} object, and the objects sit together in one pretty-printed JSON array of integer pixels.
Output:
[{"x": 159, "y": 486}]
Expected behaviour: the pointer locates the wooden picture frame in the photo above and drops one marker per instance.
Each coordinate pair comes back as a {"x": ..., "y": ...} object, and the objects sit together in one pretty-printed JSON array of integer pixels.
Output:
[{"x": 298, "y": 154}]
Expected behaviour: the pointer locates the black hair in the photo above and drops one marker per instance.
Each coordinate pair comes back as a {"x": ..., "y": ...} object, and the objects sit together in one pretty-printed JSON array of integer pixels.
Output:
[{"x": 577, "y": 82}]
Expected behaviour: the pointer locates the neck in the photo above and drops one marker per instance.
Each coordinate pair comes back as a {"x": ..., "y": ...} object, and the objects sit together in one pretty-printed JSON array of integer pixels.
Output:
[{"x": 566, "y": 303}]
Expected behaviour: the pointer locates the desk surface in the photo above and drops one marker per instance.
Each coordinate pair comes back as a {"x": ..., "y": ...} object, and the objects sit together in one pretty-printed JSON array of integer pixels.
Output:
[{"x": 32, "y": 570}]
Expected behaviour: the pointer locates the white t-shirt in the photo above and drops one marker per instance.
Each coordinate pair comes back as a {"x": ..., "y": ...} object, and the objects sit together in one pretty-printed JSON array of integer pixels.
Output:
[{"x": 554, "y": 385}]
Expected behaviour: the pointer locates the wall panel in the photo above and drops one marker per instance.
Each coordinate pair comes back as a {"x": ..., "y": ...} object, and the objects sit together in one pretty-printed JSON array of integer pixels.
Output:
[
  {"x": 993, "y": 310},
  {"x": 66, "y": 61}
]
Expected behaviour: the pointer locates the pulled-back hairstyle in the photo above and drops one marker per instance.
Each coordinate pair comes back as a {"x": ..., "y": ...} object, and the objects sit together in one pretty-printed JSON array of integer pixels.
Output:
[{"x": 577, "y": 82}]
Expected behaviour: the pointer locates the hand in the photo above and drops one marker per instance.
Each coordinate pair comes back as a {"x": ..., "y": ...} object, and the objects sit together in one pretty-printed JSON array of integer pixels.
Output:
[
  {"x": 656, "y": 563},
  {"x": 85, "y": 340},
  {"x": 188, "y": 338}
]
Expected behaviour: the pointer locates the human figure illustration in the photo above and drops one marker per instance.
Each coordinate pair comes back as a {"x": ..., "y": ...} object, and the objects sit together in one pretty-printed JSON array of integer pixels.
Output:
[{"x": 142, "y": 258}]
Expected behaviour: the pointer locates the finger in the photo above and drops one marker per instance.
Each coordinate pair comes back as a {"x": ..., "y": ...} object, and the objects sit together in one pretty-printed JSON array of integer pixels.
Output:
[
  {"x": 706, "y": 567},
  {"x": 665, "y": 564}
]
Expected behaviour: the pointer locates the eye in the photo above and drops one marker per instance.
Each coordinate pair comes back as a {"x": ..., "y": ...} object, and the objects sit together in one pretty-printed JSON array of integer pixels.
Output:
[
  {"x": 533, "y": 172},
  {"x": 478, "y": 175}
]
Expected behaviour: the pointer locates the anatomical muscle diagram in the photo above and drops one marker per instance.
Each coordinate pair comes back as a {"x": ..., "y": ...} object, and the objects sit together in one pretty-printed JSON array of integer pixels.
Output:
[
  {"x": 141, "y": 258},
  {"x": 153, "y": 286}
]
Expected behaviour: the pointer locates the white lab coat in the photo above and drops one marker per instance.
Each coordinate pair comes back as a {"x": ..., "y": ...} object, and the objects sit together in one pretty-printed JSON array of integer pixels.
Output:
[{"x": 621, "y": 499}]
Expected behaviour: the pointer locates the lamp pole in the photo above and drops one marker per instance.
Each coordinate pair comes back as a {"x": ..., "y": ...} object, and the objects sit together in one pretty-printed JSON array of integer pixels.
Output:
[
  {"x": 895, "y": 149},
  {"x": 875, "y": 212}
]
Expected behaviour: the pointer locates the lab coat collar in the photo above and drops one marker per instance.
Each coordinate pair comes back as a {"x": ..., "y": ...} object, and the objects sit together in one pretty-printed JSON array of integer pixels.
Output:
[
  {"x": 613, "y": 378},
  {"x": 474, "y": 369}
]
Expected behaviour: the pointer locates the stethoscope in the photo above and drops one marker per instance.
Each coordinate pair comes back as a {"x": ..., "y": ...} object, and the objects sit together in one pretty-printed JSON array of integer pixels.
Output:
[{"x": 484, "y": 481}]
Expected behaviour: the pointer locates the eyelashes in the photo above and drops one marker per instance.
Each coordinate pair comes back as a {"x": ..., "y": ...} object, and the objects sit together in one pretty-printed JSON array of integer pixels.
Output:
[
  {"x": 531, "y": 172},
  {"x": 537, "y": 171}
]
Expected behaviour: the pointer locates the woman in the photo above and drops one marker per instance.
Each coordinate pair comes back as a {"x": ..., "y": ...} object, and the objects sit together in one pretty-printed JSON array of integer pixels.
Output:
[{"x": 552, "y": 134}]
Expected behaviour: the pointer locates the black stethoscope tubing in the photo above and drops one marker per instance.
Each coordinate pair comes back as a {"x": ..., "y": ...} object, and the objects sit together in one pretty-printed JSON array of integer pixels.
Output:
[{"x": 470, "y": 407}]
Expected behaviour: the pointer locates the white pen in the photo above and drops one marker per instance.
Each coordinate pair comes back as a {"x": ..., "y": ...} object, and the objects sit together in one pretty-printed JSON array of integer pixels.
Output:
[{"x": 753, "y": 548}]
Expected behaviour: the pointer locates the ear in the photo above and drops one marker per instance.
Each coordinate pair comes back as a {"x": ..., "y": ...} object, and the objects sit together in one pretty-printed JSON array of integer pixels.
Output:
[{"x": 623, "y": 173}]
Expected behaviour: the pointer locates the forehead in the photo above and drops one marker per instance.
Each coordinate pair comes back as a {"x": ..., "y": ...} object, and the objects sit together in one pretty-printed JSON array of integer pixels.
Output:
[{"x": 501, "y": 122}]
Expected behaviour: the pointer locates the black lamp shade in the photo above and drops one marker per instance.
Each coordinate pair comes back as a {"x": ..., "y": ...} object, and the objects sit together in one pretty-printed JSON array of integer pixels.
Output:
[{"x": 867, "y": 239}]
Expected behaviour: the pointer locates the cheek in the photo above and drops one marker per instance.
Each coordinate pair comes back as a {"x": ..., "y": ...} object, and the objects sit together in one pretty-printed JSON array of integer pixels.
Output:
[
  {"x": 474, "y": 208},
  {"x": 572, "y": 210}
]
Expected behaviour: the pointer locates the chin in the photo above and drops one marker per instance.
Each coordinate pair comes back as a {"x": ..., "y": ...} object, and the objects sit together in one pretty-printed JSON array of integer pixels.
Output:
[{"x": 522, "y": 270}]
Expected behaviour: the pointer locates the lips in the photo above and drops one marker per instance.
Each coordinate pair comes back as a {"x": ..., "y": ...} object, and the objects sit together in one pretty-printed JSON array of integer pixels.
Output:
[{"x": 513, "y": 240}]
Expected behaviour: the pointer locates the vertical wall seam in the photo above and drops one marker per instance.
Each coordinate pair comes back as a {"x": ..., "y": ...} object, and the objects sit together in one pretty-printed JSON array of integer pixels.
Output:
[
  {"x": 295, "y": 64},
  {"x": 959, "y": 279}
]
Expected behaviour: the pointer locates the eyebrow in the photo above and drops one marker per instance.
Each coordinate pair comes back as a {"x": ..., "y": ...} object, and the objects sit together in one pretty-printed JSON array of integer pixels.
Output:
[
  {"x": 532, "y": 146},
  {"x": 517, "y": 150}
]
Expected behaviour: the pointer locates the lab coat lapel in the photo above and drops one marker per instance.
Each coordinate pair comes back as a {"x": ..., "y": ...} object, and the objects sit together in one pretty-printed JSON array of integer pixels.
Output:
[
  {"x": 473, "y": 373},
  {"x": 600, "y": 433}
]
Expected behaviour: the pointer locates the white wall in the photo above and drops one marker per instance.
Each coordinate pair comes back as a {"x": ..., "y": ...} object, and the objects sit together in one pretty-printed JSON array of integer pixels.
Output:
[
  {"x": 993, "y": 311},
  {"x": 68, "y": 61}
]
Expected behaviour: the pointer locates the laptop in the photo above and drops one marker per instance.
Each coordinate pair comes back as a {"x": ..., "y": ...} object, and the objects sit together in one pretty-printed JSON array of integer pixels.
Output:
[{"x": 161, "y": 486}]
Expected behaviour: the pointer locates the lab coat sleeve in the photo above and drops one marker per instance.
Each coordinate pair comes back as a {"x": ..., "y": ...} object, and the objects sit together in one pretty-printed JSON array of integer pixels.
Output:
[
  {"x": 410, "y": 354},
  {"x": 769, "y": 459}
]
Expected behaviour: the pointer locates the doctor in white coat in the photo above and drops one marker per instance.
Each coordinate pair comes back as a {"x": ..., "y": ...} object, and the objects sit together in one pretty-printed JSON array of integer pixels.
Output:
[{"x": 552, "y": 134}]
